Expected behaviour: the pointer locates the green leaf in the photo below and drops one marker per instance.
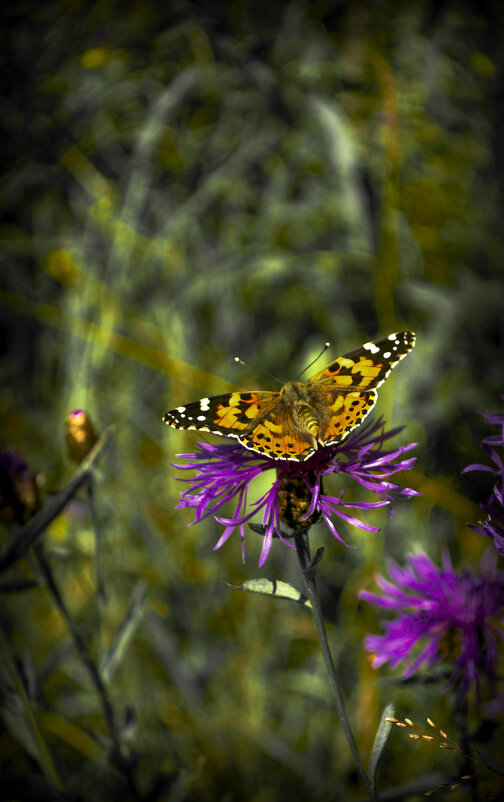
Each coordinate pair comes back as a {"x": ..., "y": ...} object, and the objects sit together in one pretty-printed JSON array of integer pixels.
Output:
[
  {"x": 114, "y": 656},
  {"x": 272, "y": 587},
  {"x": 380, "y": 740}
]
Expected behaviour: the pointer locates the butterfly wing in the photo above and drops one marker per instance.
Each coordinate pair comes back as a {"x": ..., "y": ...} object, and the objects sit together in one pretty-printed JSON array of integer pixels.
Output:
[
  {"x": 346, "y": 389},
  {"x": 230, "y": 414},
  {"x": 261, "y": 421},
  {"x": 341, "y": 395}
]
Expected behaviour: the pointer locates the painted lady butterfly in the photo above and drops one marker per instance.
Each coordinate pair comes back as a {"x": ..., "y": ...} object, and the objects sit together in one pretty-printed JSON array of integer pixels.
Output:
[{"x": 293, "y": 423}]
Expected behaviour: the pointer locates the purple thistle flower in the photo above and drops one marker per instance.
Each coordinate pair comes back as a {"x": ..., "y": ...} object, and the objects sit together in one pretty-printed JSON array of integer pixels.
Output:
[
  {"x": 439, "y": 607},
  {"x": 18, "y": 490},
  {"x": 493, "y": 526},
  {"x": 225, "y": 472}
]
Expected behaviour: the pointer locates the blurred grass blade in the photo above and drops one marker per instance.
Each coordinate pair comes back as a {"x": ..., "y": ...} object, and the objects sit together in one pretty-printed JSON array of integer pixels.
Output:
[
  {"x": 25, "y": 537},
  {"x": 70, "y": 734},
  {"x": 18, "y": 585},
  {"x": 20, "y": 720},
  {"x": 114, "y": 656},
  {"x": 493, "y": 765},
  {"x": 380, "y": 740},
  {"x": 110, "y": 340},
  {"x": 30, "y": 786},
  {"x": 272, "y": 587}
]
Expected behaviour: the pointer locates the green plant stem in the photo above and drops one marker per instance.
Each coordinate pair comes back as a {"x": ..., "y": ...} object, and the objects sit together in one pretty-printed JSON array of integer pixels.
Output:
[
  {"x": 308, "y": 572},
  {"x": 460, "y": 713},
  {"x": 118, "y": 758}
]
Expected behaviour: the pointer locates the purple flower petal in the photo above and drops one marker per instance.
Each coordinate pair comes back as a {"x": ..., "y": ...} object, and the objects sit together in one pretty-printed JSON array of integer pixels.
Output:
[
  {"x": 224, "y": 473},
  {"x": 476, "y": 466},
  {"x": 493, "y": 525}
]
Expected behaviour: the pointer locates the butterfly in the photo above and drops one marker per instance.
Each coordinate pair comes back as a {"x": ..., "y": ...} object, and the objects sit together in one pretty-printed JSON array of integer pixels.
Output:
[{"x": 303, "y": 416}]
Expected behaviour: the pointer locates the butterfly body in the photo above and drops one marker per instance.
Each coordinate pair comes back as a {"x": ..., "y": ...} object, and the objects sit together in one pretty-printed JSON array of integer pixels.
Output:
[{"x": 293, "y": 423}]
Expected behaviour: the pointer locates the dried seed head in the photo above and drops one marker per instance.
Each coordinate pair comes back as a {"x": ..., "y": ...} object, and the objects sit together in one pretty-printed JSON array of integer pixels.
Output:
[{"x": 294, "y": 499}]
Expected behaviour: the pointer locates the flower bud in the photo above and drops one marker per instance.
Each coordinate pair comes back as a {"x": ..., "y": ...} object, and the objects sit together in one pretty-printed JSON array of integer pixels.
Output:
[{"x": 80, "y": 435}]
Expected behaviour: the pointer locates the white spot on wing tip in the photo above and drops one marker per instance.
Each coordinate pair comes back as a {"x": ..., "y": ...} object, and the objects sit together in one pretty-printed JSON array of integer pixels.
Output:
[
  {"x": 371, "y": 347},
  {"x": 205, "y": 404}
]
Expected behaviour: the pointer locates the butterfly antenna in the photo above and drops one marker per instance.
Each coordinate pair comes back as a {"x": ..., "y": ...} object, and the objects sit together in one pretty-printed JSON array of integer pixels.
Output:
[
  {"x": 258, "y": 370},
  {"x": 324, "y": 349}
]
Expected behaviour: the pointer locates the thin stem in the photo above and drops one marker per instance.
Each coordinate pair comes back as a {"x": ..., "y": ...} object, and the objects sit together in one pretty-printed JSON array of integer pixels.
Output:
[
  {"x": 118, "y": 758},
  {"x": 460, "y": 715},
  {"x": 308, "y": 571},
  {"x": 100, "y": 585}
]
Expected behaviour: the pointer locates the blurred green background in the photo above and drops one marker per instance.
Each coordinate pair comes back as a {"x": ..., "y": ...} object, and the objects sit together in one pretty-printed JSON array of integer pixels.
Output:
[{"x": 184, "y": 182}]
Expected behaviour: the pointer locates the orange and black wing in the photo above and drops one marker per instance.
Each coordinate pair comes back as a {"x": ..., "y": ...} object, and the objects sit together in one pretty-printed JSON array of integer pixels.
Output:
[
  {"x": 230, "y": 414},
  {"x": 261, "y": 421},
  {"x": 346, "y": 389}
]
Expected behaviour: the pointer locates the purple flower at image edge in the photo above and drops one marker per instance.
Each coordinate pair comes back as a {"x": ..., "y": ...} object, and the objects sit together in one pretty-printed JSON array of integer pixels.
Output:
[
  {"x": 225, "y": 472},
  {"x": 18, "y": 490},
  {"x": 442, "y": 616},
  {"x": 493, "y": 525}
]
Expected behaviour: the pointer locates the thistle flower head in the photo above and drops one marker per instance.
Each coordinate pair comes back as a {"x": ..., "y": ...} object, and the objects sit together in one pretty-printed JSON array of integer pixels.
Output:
[
  {"x": 224, "y": 473},
  {"x": 442, "y": 616}
]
